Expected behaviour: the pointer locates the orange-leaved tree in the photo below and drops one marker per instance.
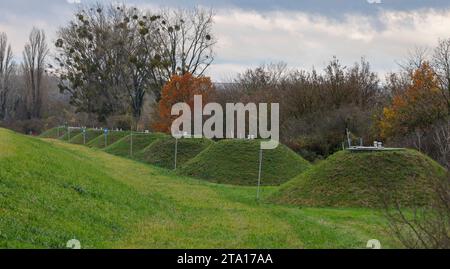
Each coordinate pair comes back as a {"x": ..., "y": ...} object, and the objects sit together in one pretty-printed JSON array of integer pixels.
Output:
[
  {"x": 418, "y": 107},
  {"x": 181, "y": 88}
]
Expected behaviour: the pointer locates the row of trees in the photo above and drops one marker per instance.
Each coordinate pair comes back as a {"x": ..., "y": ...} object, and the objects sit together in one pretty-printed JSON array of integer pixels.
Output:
[
  {"x": 417, "y": 112},
  {"x": 316, "y": 108},
  {"x": 22, "y": 86},
  {"x": 112, "y": 57}
]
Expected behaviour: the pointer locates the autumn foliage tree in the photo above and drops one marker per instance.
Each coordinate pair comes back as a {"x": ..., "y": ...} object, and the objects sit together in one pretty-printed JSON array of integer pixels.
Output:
[
  {"x": 417, "y": 108},
  {"x": 181, "y": 89}
]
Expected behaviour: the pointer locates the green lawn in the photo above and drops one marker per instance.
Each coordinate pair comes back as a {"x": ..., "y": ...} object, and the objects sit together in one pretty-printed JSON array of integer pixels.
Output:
[
  {"x": 55, "y": 132},
  {"x": 91, "y": 134},
  {"x": 52, "y": 191},
  {"x": 364, "y": 179},
  {"x": 140, "y": 142},
  {"x": 162, "y": 152},
  {"x": 100, "y": 142},
  {"x": 236, "y": 161},
  {"x": 69, "y": 135}
]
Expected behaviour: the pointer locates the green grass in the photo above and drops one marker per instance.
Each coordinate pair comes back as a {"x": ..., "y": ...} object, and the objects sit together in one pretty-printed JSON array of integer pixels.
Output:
[
  {"x": 237, "y": 162},
  {"x": 162, "y": 152},
  {"x": 140, "y": 142},
  {"x": 113, "y": 137},
  {"x": 91, "y": 134},
  {"x": 349, "y": 179},
  {"x": 51, "y": 192},
  {"x": 55, "y": 133},
  {"x": 68, "y": 136}
]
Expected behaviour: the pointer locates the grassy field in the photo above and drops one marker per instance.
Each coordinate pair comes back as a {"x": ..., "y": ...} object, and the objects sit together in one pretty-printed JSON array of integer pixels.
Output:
[
  {"x": 90, "y": 135},
  {"x": 162, "y": 152},
  {"x": 56, "y": 132},
  {"x": 100, "y": 143},
  {"x": 140, "y": 142},
  {"x": 237, "y": 162},
  {"x": 51, "y": 192},
  {"x": 363, "y": 179},
  {"x": 68, "y": 136}
]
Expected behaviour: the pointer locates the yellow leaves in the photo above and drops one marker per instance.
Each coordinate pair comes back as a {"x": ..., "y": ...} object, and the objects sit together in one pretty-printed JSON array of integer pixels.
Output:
[{"x": 418, "y": 107}]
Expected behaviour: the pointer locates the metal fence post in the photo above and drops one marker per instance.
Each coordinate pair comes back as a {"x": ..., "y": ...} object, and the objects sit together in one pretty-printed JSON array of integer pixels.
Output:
[
  {"x": 176, "y": 152},
  {"x": 259, "y": 173},
  {"x": 131, "y": 144}
]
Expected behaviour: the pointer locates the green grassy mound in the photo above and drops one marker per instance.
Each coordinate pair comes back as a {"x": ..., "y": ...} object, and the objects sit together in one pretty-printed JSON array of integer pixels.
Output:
[
  {"x": 52, "y": 192},
  {"x": 237, "y": 162},
  {"x": 363, "y": 179},
  {"x": 140, "y": 142},
  {"x": 90, "y": 135},
  {"x": 68, "y": 136},
  {"x": 161, "y": 153},
  {"x": 113, "y": 137},
  {"x": 55, "y": 133}
]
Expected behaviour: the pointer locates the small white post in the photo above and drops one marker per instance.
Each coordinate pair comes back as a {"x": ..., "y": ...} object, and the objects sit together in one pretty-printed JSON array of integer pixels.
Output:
[
  {"x": 176, "y": 152},
  {"x": 131, "y": 143},
  {"x": 259, "y": 173}
]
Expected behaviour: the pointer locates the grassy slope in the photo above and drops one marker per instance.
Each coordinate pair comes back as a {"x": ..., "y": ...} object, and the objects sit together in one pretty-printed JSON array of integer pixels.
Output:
[
  {"x": 237, "y": 162},
  {"x": 90, "y": 135},
  {"x": 52, "y": 191},
  {"x": 161, "y": 153},
  {"x": 357, "y": 179},
  {"x": 140, "y": 142},
  {"x": 113, "y": 137},
  {"x": 73, "y": 134},
  {"x": 53, "y": 133}
]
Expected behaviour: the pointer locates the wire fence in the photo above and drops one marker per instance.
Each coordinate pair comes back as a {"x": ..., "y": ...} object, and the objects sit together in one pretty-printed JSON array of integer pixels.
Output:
[{"x": 133, "y": 136}]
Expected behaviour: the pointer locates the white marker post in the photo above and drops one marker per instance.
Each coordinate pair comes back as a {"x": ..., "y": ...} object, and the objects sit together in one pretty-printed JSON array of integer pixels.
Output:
[
  {"x": 259, "y": 173},
  {"x": 84, "y": 136},
  {"x": 131, "y": 143},
  {"x": 176, "y": 152}
]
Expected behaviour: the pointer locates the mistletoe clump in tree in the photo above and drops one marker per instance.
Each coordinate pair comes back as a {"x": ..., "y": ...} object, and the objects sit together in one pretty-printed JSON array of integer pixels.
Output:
[
  {"x": 106, "y": 60},
  {"x": 109, "y": 58}
]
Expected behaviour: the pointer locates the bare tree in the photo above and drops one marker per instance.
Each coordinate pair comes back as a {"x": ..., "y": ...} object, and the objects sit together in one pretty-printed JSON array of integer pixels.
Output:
[
  {"x": 6, "y": 69},
  {"x": 442, "y": 142},
  {"x": 441, "y": 64},
  {"x": 108, "y": 52},
  {"x": 185, "y": 42},
  {"x": 120, "y": 53},
  {"x": 34, "y": 55},
  {"x": 414, "y": 60}
]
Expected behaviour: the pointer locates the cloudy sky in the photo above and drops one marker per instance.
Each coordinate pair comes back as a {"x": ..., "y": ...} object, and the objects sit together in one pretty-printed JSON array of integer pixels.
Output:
[{"x": 301, "y": 33}]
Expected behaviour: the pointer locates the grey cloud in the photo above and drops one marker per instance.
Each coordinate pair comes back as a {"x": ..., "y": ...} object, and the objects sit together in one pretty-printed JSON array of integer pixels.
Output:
[{"x": 251, "y": 32}]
